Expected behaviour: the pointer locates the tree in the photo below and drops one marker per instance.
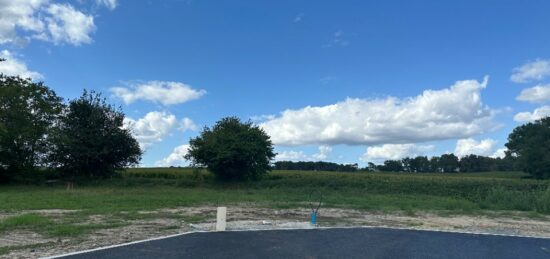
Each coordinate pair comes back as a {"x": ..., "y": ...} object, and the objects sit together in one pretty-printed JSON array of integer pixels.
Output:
[
  {"x": 90, "y": 140},
  {"x": 232, "y": 150},
  {"x": 448, "y": 163},
  {"x": 392, "y": 166},
  {"x": 530, "y": 145},
  {"x": 28, "y": 111}
]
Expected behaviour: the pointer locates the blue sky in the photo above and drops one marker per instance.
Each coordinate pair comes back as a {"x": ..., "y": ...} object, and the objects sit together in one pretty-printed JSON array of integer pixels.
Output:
[{"x": 341, "y": 81}]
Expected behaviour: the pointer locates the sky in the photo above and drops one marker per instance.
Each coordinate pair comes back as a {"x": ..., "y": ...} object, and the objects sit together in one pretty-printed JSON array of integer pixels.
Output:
[{"x": 339, "y": 81}]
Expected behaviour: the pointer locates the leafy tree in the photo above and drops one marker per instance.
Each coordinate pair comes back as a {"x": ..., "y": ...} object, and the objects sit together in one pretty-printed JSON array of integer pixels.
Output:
[
  {"x": 448, "y": 163},
  {"x": 420, "y": 164},
  {"x": 434, "y": 164},
  {"x": 28, "y": 111},
  {"x": 392, "y": 166},
  {"x": 90, "y": 140},
  {"x": 232, "y": 150},
  {"x": 530, "y": 145}
]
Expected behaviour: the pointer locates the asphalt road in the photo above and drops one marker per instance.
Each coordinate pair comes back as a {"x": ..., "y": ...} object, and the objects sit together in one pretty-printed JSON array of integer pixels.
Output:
[{"x": 331, "y": 243}]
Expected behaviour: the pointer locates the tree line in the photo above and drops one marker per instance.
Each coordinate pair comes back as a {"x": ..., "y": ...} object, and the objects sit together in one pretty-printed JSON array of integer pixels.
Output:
[
  {"x": 315, "y": 166},
  {"x": 446, "y": 163}
]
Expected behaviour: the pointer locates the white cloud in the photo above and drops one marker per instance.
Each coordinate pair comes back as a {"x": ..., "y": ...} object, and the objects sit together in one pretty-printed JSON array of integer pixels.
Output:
[
  {"x": 500, "y": 153},
  {"x": 455, "y": 112},
  {"x": 19, "y": 14},
  {"x": 291, "y": 156},
  {"x": 324, "y": 152},
  {"x": 12, "y": 66},
  {"x": 151, "y": 128},
  {"x": 531, "y": 71},
  {"x": 164, "y": 92},
  {"x": 111, "y": 4},
  {"x": 469, "y": 146},
  {"x": 176, "y": 157},
  {"x": 187, "y": 124},
  {"x": 22, "y": 20},
  {"x": 67, "y": 24},
  {"x": 536, "y": 94},
  {"x": 394, "y": 151},
  {"x": 539, "y": 113}
]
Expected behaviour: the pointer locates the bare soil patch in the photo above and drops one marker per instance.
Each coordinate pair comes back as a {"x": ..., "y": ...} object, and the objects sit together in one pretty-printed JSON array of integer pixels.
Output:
[{"x": 25, "y": 244}]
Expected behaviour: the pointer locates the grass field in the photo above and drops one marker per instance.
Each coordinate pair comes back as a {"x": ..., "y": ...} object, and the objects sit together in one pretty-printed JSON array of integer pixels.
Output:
[{"x": 146, "y": 189}]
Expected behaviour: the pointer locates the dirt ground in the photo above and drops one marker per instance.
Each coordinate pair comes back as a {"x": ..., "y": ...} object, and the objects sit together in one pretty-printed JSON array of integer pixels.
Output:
[{"x": 26, "y": 244}]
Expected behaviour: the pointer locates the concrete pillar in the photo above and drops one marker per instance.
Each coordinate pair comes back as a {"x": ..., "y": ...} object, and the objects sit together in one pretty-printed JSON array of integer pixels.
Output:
[{"x": 220, "y": 219}]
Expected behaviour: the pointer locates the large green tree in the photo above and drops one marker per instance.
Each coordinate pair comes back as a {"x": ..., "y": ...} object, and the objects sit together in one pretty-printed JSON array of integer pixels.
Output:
[
  {"x": 28, "y": 111},
  {"x": 530, "y": 145},
  {"x": 90, "y": 140},
  {"x": 232, "y": 150}
]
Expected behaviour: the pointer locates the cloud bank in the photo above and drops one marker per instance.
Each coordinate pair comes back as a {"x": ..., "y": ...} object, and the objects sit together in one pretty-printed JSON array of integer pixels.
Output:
[{"x": 451, "y": 113}]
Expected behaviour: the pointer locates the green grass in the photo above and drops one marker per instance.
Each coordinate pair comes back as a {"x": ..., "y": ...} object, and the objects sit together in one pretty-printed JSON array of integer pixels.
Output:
[
  {"x": 150, "y": 189},
  {"x": 29, "y": 221},
  {"x": 122, "y": 199}
]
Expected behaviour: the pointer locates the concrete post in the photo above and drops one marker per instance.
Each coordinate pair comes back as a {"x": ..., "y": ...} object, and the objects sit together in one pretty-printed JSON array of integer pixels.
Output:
[{"x": 220, "y": 219}]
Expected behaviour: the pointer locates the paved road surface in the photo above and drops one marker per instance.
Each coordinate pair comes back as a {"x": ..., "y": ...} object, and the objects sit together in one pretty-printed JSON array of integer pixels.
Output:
[{"x": 331, "y": 243}]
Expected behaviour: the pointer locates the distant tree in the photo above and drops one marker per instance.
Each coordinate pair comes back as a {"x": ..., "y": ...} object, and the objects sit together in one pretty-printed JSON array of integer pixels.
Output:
[
  {"x": 448, "y": 163},
  {"x": 232, "y": 150},
  {"x": 420, "y": 164},
  {"x": 392, "y": 166},
  {"x": 371, "y": 167},
  {"x": 315, "y": 166},
  {"x": 90, "y": 140},
  {"x": 434, "y": 164},
  {"x": 530, "y": 145},
  {"x": 28, "y": 111},
  {"x": 406, "y": 162}
]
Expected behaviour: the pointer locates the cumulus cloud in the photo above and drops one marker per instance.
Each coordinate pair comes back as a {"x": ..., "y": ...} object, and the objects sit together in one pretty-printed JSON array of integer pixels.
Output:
[
  {"x": 454, "y": 112},
  {"x": 469, "y": 146},
  {"x": 536, "y": 94},
  {"x": 500, "y": 153},
  {"x": 12, "y": 66},
  {"x": 164, "y": 92},
  {"x": 153, "y": 127},
  {"x": 324, "y": 152},
  {"x": 531, "y": 71},
  {"x": 539, "y": 113},
  {"x": 69, "y": 25},
  {"x": 176, "y": 157},
  {"x": 23, "y": 20},
  {"x": 394, "y": 151},
  {"x": 187, "y": 124}
]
